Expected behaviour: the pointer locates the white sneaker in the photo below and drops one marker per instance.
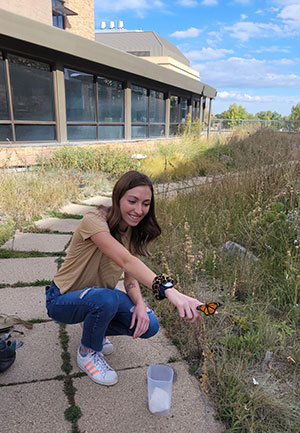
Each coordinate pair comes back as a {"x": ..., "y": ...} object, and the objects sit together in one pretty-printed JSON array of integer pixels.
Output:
[
  {"x": 95, "y": 366},
  {"x": 108, "y": 347}
]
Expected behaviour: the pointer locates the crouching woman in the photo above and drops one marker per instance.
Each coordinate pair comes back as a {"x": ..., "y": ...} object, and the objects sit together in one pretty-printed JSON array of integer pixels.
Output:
[{"x": 106, "y": 243}]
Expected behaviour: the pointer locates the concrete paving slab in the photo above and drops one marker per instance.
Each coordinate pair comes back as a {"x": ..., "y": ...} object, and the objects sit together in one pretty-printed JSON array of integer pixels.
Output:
[
  {"x": 34, "y": 407},
  {"x": 129, "y": 352},
  {"x": 124, "y": 406},
  {"x": 98, "y": 200},
  {"x": 46, "y": 243},
  {"x": 76, "y": 209},
  {"x": 39, "y": 357},
  {"x": 25, "y": 302},
  {"x": 27, "y": 270},
  {"x": 185, "y": 184},
  {"x": 58, "y": 224}
]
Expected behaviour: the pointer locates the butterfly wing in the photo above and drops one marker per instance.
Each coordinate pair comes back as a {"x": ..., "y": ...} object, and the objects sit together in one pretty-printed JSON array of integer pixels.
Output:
[{"x": 209, "y": 309}]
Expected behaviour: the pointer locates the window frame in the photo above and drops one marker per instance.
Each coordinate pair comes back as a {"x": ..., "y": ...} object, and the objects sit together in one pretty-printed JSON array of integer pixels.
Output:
[
  {"x": 147, "y": 124},
  {"x": 12, "y": 122}
]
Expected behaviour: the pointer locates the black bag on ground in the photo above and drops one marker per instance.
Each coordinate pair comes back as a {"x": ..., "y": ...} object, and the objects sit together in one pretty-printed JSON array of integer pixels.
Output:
[{"x": 7, "y": 354}]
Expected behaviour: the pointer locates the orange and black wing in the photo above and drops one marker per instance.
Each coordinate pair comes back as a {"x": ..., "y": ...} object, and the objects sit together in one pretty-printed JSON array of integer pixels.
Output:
[{"x": 209, "y": 309}]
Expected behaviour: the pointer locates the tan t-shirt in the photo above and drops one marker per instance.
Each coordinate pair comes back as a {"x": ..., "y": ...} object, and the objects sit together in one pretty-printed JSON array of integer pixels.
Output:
[{"x": 85, "y": 264}]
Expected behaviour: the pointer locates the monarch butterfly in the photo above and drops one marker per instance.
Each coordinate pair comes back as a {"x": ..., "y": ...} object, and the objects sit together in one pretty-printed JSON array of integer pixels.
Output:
[{"x": 209, "y": 309}]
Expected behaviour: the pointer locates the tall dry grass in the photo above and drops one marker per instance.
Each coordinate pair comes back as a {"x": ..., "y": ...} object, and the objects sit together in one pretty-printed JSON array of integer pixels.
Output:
[
  {"x": 26, "y": 196},
  {"x": 247, "y": 358}
]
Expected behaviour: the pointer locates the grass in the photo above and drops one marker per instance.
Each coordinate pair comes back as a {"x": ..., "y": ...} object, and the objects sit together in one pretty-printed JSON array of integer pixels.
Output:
[
  {"x": 26, "y": 196},
  {"x": 255, "y": 338},
  {"x": 29, "y": 284},
  {"x": 247, "y": 357},
  {"x": 14, "y": 254}
]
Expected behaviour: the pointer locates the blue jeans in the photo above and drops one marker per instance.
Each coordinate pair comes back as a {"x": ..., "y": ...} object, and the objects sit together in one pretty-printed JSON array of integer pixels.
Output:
[{"x": 104, "y": 312}]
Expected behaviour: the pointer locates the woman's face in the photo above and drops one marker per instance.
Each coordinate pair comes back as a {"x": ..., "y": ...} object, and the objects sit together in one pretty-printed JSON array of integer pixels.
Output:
[{"x": 134, "y": 205}]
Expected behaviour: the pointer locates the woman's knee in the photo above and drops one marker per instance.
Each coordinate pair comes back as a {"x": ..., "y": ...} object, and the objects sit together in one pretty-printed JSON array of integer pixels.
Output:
[{"x": 106, "y": 300}]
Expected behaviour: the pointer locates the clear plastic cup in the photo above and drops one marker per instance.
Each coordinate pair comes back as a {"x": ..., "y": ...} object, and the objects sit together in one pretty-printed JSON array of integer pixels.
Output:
[{"x": 160, "y": 382}]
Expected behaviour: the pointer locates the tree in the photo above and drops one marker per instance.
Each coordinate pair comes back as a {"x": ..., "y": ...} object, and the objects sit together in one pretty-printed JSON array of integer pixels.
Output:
[
  {"x": 272, "y": 119},
  {"x": 295, "y": 116},
  {"x": 236, "y": 113}
]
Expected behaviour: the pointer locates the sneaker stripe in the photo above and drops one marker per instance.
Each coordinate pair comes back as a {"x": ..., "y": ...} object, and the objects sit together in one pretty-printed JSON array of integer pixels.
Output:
[
  {"x": 92, "y": 367},
  {"x": 88, "y": 364},
  {"x": 94, "y": 372}
]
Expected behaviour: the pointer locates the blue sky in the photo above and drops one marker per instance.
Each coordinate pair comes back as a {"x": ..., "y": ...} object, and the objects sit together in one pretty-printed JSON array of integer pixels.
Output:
[{"x": 247, "y": 49}]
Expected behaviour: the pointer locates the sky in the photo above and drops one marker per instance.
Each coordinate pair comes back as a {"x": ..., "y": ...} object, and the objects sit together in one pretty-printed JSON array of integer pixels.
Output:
[{"x": 247, "y": 49}]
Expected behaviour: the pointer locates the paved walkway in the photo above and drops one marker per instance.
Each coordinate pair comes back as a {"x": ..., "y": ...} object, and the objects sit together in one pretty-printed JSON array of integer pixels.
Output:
[{"x": 44, "y": 390}]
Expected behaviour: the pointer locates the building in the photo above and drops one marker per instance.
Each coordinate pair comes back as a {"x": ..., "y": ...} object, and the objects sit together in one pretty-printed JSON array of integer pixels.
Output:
[
  {"x": 147, "y": 45},
  {"x": 58, "y": 85}
]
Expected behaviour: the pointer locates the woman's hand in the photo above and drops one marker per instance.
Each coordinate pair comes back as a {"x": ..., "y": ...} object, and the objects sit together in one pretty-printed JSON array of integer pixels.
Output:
[
  {"x": 141, "y": 318},
  {"x": 186, "y": 306}
]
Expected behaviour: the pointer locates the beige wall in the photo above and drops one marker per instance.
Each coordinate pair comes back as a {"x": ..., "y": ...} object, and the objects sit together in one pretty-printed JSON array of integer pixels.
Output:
[
  {"x": 39, "y": 10},
  {"x": 82, "y": 24},
  {"x": 170, "y": 63}
]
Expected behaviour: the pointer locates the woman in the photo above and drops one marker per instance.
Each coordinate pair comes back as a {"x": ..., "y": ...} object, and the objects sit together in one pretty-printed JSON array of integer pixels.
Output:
[{"x": 107, "y": 243}]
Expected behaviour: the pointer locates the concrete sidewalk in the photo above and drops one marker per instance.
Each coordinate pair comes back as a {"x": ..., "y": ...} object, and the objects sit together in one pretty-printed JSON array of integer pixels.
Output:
[{"x": 43, "y": 390}]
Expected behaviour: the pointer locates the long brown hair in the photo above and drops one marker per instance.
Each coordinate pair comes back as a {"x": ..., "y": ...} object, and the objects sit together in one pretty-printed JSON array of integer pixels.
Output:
[{"x": 148, "y": 228}]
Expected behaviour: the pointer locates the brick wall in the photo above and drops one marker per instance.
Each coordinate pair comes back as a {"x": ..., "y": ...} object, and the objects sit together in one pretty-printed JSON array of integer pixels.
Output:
[
  {"x": 28, "y": 155},
  {"x": 82, "y": 24},
  {"x": 39, "y": 10}
]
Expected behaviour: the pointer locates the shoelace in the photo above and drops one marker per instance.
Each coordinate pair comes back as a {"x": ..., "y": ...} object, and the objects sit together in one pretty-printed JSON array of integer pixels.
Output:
[{"x": 100, "y": 362}]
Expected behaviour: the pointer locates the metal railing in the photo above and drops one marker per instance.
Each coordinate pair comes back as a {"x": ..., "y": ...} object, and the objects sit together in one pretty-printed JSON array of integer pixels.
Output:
[{"x": 227, "y": 125}]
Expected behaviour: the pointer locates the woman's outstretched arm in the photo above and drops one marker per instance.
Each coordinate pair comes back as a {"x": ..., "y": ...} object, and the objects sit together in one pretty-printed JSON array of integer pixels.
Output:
[{"x": 185, "y": 305}]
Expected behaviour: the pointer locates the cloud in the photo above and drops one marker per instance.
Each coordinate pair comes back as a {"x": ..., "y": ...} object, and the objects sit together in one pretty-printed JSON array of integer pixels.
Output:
[
  {"x": 237, "y": 72},
  {"x": 291, "y": 15},
  {"x": 207, "y": 54},
  {"x": 243, "y": 17},
  {"x": 272, "y": 49},
  {"x": 209, "y": 2},
  {"x": 187, "y": 3},
  {"x": 232, "y": 96},
  {"x": 283, "y": 3},
  {"x": 283, "y": 62},
  {"x": 237, "y": 96},
  {"x": 246, "y": 30},
  {"x": 192, "y": 32}
]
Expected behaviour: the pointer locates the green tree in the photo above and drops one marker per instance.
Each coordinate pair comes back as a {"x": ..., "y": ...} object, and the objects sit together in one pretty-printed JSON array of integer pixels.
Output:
[
  {"x": 236, "y": 114},
  {"x": 272, "y": 119},
  {"x": 295, "y": 117}
]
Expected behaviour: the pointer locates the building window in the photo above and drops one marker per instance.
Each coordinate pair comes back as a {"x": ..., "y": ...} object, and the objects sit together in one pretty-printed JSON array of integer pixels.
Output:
[
  {"x": 4, "y": 108},
  {"x": 58, "y": 19},
  {"x": 95, "y": 107},
  {"x": 110, "y": 109},
  {"x": 32, "y": 89},
  {"x": 110, "y": 100},
  {"x": 80, "y": 96},
  {"x": 147, "y": 113},
  {"x": 27, "y": 108},
  {"x": 139, "y": 53},
  {"x": 195, "y": 110},
  {"x": 178, "y": 113},
  {"x": 59, "y": 13}
]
